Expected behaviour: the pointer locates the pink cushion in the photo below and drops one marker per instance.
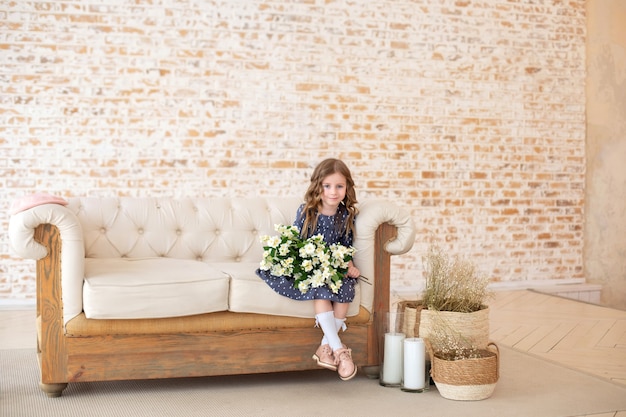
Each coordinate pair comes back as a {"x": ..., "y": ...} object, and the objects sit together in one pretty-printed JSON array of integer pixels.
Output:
[{"x": 33, "y": 200}]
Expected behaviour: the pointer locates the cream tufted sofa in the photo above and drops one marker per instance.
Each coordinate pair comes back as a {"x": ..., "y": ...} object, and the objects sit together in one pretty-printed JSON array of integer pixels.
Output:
[{"x": 138, "y": 288}]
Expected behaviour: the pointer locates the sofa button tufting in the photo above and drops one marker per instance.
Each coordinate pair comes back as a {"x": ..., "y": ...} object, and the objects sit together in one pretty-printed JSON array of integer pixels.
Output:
[
  {"x": 238, "y": 259},
  {"x": 179, "y": 232},
  {"x": 103, "y": 230},
  {"x": 140, "y": 231}
]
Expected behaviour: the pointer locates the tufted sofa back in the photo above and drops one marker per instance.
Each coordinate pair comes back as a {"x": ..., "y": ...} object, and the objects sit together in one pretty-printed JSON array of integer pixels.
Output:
[{"x": 208, "y": 230}]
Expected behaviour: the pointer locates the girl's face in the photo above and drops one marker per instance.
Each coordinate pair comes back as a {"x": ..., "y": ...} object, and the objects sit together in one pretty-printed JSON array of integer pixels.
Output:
[{"x": 333, "y": 193}]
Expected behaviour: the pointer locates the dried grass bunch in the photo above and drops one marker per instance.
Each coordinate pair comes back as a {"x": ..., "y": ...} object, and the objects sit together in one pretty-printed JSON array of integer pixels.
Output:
[{"x": 453, "y": 284}]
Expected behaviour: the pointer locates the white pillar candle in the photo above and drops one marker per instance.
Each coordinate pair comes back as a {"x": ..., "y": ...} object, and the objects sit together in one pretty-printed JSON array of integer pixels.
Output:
[
  {"x": 392, "y": 358},
  {"x": 414, "y": 364}
]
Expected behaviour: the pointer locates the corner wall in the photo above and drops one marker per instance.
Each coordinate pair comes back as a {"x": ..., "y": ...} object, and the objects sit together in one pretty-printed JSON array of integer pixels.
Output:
[{"x": 605, "y": 211}]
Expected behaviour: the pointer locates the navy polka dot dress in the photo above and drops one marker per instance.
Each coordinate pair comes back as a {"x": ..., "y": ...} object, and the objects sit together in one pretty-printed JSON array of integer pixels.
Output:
[{"x": 325, "y": 227}]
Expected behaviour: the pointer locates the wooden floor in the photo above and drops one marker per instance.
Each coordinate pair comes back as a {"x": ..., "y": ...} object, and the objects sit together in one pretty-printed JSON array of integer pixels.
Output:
[{"x": 576, "y": 334}]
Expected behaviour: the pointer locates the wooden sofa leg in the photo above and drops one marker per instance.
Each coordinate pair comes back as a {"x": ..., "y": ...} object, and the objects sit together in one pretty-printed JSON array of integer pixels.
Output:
[{"x": 52, "y": 390}]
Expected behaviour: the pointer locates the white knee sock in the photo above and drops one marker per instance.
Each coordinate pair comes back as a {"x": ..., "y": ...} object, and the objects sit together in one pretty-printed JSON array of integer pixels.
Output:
[
  {"x": 328, "y": 324},
  {"x": 341, "y": 325}
]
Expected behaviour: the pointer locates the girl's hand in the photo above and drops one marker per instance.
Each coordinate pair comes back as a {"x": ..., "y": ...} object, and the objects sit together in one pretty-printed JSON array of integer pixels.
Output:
[{"x": 353, "y": 271}]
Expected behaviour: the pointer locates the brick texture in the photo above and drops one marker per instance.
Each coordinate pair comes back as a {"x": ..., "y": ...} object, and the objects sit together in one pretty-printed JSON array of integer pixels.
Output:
[{"x": 469, "y": 113}]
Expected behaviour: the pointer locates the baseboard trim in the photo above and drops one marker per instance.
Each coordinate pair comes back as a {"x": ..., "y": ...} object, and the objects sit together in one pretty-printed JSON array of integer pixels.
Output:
[
  {"x": 527, "y": 285},
  {"x": 17, "y": 304},
  {"x": 413, "y": 292}
]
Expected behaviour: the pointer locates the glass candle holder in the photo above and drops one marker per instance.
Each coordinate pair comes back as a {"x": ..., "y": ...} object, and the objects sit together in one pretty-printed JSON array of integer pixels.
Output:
[
  {"x": 414, "y": 367},
  {"x": 392, "y": 338}
]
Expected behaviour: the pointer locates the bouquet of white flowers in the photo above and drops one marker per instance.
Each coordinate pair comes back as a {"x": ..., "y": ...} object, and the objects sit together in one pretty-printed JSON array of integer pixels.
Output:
[{"x": 311, "y": 262}]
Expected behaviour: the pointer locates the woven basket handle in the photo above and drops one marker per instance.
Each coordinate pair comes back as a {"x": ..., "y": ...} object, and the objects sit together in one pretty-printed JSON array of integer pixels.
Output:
[{"x": 497, "y": 352}]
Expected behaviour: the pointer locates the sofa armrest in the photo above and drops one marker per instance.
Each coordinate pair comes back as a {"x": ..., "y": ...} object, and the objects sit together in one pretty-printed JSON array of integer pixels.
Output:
[
  {"x": 374, "y": 247},
  {"x": 71, "y": 262},
  {"x": 373, "y": 213}
]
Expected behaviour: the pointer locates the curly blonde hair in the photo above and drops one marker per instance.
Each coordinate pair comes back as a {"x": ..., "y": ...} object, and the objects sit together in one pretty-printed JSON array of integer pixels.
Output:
[{"x": 313, "y": 197}]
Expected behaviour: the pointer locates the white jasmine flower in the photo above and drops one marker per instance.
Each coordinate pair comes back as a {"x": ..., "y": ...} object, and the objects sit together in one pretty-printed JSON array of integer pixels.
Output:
[
  {"x": 307, "y": 265},
  {"x": 283, "y": 250}
]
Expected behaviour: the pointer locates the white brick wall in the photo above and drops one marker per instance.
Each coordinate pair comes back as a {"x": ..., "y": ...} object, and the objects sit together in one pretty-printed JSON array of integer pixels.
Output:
[{"x": 470, "y": 114}]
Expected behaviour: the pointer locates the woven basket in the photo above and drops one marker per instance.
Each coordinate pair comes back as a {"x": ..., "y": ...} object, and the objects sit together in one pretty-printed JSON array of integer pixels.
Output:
[
  {"x": 472, "y": 326},
  {"x": 420, "y": 322},
  {"x": 467, "y": 379}
]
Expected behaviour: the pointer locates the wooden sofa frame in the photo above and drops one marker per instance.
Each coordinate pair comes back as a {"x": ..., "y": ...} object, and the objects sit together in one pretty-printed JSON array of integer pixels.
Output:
[{"x": 74, "y": 358}]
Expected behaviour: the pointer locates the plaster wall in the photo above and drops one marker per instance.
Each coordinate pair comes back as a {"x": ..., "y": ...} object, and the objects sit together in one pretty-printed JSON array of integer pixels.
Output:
[{"x": 605, "y": 196}]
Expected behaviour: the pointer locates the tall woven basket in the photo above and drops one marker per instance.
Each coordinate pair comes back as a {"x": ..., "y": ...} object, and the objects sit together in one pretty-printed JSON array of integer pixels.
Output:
[
  {"x": 472, "y": 326},
  {"x": 421, "y": 322},
  {"x": 467, "y": 379}
]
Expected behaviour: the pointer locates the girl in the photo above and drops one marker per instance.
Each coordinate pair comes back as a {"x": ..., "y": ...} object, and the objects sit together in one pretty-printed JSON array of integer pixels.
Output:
[{"x": 329, "y": 209}]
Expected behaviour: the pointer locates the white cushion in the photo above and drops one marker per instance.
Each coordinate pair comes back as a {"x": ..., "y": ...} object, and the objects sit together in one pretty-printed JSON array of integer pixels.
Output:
[
  {"x": 250, "y": 294},
  {"x": 126, "y": 288}
]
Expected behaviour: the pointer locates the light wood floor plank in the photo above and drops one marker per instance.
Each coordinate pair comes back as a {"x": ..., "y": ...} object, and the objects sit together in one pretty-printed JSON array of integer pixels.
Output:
[
  {"x": 553, "y": 338},
  {"x": 597, "y": 333},
  {"x": 574, "y": 338},
  {"x": 615, "y": 336},
  {"x": 534, "y": 337},
  {"x": 517, "y": 335}
]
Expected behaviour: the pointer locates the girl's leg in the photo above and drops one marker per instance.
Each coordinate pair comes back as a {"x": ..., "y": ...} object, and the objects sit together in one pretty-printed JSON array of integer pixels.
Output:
[
  {"x": 325, "y": 316},
  {"x": 325, "y": 319},
  {"x": 343, "y": 356},
  {"x": 340, "y": 311},
  {"x": 331, "y": 317}
]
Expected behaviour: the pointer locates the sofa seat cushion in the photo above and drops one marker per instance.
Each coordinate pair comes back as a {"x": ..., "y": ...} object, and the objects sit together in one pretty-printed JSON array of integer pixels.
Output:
[
  {"x": 250, "y": 294},
  {"x": 218, "y": 322},
  {"x": 127, "y": 288}
]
